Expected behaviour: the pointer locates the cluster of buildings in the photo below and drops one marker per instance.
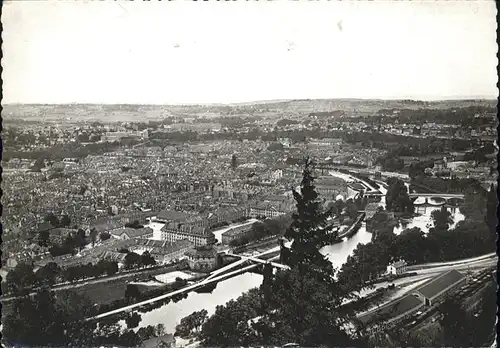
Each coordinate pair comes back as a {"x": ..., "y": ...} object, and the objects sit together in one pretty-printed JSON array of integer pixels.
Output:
[{"x": 455, "y": 167}]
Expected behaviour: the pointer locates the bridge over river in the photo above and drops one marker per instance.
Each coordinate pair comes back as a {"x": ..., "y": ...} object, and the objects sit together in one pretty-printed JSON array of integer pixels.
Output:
[{"x": 216, "y": 276}]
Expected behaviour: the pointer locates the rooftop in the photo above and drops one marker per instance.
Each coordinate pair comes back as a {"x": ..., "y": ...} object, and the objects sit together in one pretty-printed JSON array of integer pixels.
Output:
[
  {"x": 437, "y": 285},
  {"x": 132, "y": 232},
  {"x": 329, "y": 180},
  {"x": 393, "y": 310},
  {"x": 172, "y": 215},
  {"x": 237, "y": 230},
  {"x": 398, "y": 263},
  {"x": 204, "y": 251}
]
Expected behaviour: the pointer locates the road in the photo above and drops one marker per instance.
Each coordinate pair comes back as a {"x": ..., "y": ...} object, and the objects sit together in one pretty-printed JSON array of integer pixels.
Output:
[
  {"x": 475, "y": 264},
  {"x": 457, "y": 262}
]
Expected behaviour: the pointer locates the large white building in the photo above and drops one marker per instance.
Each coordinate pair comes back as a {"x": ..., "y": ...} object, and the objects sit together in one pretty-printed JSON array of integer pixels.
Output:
[
  {"x": 397, "y": 268},
  {"x": 199, "y": 236}
]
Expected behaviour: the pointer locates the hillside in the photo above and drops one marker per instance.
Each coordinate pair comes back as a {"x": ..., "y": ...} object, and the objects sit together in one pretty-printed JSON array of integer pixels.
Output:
[{"x": 130, "y": 112}]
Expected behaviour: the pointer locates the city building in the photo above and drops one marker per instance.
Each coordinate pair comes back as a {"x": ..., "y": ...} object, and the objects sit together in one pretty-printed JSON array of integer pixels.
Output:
[
  {"x": 236, "y": 233},
  {"x": 202, "y": 258},
  {"x": 131, "y": 233},
  {"x": 330, "y": 186},
  {"x": 229, "y": 214},
  {"x": 110, "y": 256},
  {"x": 163, "y": 251},
  {"x": 269, "y": 209},
  {"x": 435, "y": 290},
  {"x": 198, "y": 235},
  {"x": 354, "y": 189},
  {"x": 397, "y": 268},
  {"x": 106, "y": 226},
  {"x": 59, "y": 235},
  {"x": 389, "y": 315},
  {"x": 171, "y": 216}
]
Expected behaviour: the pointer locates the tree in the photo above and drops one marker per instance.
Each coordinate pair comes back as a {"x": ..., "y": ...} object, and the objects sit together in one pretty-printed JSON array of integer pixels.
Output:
[
  {"x": 147, "y": 259},
  {"x": 484, "y": 325},
  {"x": 411, "y": 244},
  {"x": 159, "y": 330},
  {"x": 65, "y": 221},
  {"x": 229, "y": 326},
  {"x": 132, "y": 260},
  {"x": 104, "y": 236},
  {"x": 397, "y": 198},
  {"x": 309, "y": 230},
  {"x": 111, "y": 268},
  {"x": 367, "y": 262},
  {"x": 191, "y": 323},
  {"x": 135, "y": 224},
  {"x": 338, "y": 208},
  {"x": 20, "y": 278},
  {"x": 455, "y": 322},
  {"x": 234, "y": 162},
  {"x": 47, "y": 320},
  {"x": 52, "y": 219},
  {"x": 352, "y": 209},
  {"x": 44, "y": 238},
  {"x": 267, "y": 282},
  {"x": 306, "y": 310},
  {"x": 93, "y": 236},
  {"x": 442, "y": 219},
  {"x": 77, "y": 241},
  {"x": 46, "y": 275},
  {"x": 133, "y": 320},
  {"x": 305, "y": 302},
  {"x": 132, "y": 292}
]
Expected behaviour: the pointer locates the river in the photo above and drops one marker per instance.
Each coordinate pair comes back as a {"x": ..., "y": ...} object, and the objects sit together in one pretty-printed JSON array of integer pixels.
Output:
[{"x": 171, "y": 314}]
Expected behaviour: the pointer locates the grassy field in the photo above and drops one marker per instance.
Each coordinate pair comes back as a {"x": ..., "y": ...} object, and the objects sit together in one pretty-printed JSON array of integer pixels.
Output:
[{"x": 106, "y": 292}]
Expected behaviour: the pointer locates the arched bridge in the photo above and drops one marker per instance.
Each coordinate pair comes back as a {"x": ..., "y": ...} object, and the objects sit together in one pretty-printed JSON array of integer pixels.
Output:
[
  {"x": 439, "y": 195},
  {"x": 437, "y": 199}
]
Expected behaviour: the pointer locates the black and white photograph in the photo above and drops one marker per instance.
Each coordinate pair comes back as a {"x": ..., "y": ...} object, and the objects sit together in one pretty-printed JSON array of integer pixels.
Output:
[{"x": 184, "y": 174}]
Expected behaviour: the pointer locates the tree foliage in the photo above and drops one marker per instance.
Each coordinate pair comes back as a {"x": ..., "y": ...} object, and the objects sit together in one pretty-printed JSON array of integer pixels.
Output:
[
  {"x": 132, "y": 292},
  {"x": 442, "y": 219},
  {"x": 20, "y": 278},
  {"x": 192, "y": 323},
  {"x": 397, "y": 198},
  {"x": 309, "y": 230}
]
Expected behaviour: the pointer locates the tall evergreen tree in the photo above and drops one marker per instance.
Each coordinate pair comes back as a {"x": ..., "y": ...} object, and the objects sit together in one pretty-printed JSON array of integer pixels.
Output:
[{"x": 309, "y": 230}]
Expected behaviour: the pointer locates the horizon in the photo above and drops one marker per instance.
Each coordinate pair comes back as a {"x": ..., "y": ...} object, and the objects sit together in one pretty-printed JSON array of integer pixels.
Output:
[
  {"x": 257, "y": 102},
  {"x": 176, "y": 54}
]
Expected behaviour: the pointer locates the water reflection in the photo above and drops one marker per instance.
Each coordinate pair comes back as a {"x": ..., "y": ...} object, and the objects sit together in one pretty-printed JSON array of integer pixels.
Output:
[
  {"x": 338, "y": 253},
  {"x": 171, "y": 314},
  {"x": 424, "y": 219}
]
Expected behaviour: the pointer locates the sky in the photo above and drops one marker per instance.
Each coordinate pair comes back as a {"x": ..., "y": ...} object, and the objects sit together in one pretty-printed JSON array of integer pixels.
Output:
[{"x": 183, "y": 52}]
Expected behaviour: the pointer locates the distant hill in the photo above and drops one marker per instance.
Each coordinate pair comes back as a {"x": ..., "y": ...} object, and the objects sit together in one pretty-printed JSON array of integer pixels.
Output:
[{"x": 272, "y": 108}]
